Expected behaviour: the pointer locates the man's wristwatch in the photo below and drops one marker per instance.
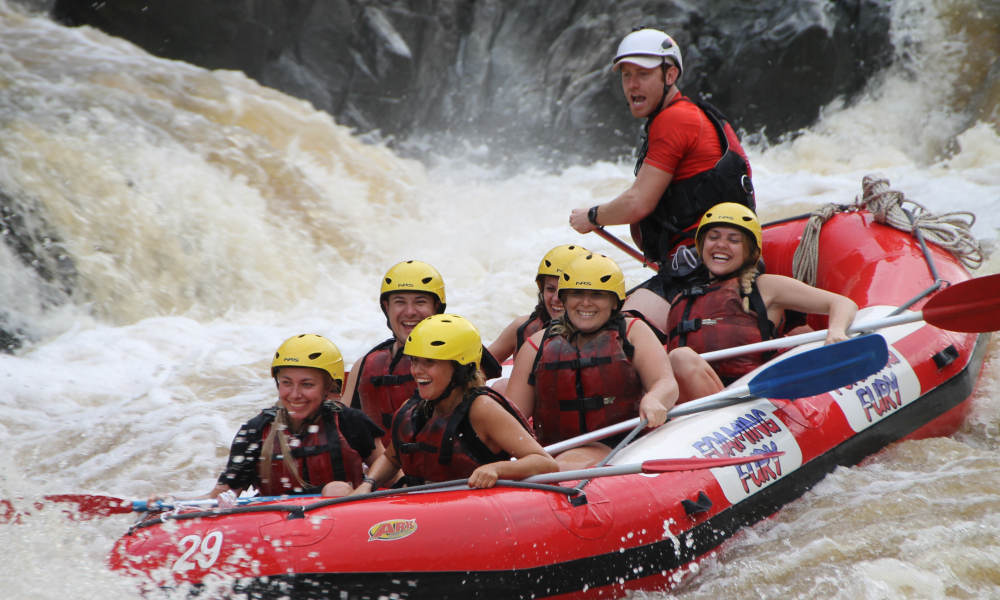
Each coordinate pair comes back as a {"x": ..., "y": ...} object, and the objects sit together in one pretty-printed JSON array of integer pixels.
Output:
[
  {"x": 370, "y": 482},
  {"x": 592, "y": 216}
]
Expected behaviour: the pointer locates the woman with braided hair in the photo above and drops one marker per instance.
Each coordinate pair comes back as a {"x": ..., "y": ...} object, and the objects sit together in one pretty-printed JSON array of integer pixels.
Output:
[
  {"x": 308, "y": 442},
  {"x": 733, "y": 304}
]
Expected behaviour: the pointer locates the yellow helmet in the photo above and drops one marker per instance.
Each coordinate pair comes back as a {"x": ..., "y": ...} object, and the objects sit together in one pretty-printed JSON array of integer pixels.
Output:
[
  {"x": 594, "y": 272},
  {"x": 445, "y": 337},
  {"x": 413, "y": 276},
  {"x": 734, "y": 215},
  {"x": 557, "y": 259},
  {"x": 309, "y": 350}
]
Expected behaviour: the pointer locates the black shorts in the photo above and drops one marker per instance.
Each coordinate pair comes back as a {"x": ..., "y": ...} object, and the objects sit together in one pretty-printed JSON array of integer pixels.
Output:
[{"x": 668, "y": 286}]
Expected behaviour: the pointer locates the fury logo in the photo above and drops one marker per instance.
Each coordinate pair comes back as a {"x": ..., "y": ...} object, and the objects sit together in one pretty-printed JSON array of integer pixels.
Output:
[
  {"x": 761, "y": 472},
  {"x": 880, "y": 397}
]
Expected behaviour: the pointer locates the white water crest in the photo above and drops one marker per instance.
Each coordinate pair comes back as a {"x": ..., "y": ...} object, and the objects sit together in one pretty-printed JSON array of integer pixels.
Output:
[{"x": 204, "y": 218}]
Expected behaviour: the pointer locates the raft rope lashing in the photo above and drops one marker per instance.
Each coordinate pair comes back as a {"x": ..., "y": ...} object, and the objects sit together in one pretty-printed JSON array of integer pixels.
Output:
[{"x": 951, "y": 231}]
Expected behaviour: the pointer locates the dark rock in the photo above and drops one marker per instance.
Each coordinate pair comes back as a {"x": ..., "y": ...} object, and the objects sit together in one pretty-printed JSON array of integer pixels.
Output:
[
  {"x": 514, "y": 75},
  {"x": 30, "y": 238}
]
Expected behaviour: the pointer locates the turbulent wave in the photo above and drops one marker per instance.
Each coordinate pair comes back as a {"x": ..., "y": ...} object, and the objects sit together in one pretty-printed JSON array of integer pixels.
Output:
[{"x": 165, "y": 227}]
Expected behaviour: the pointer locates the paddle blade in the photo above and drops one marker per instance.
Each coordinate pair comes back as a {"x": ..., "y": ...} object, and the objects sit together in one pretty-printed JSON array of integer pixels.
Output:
[
  {"x": 666, "y": 465},
  {"x": 822, "y": 369},
  {"x": 93, "y": 506},
  {"x": 971, "y": 306}
]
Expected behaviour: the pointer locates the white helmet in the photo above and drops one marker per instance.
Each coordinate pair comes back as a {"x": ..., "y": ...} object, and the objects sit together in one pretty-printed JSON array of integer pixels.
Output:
[{"x": 648, "y": 48}]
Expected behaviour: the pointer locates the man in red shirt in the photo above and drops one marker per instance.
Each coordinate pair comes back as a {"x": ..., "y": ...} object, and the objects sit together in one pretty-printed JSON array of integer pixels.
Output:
[{"x": 690, "y": 161}]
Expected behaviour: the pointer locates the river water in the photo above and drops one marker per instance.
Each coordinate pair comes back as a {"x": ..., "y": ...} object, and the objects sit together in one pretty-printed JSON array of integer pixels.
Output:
[{"x": 202, "y": 219}]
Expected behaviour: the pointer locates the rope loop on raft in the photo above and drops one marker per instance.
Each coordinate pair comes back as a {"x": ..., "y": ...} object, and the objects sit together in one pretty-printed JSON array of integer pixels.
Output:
[{"x": 951, "y": 231}]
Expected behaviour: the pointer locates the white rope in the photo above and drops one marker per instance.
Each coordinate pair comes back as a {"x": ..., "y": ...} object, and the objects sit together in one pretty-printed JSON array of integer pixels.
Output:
[{"x": 952, "y": 231}]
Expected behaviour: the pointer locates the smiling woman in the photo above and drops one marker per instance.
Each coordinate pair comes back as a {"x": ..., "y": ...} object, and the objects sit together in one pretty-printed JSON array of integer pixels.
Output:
[
  {"x": 732, "y": 304},
  {"x": 454, "y": 427},
  {"x": 592, "y": 367},
  {"x": 308, "y": 442}
]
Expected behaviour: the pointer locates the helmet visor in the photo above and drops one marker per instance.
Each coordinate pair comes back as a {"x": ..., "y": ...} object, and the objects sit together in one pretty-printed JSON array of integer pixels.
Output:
[{"x": 645, "y": 61}]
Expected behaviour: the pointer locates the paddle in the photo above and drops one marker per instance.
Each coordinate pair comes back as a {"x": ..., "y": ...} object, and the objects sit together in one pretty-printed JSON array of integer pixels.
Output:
[
  {"x": 807, "y": 374},
  {"x": 101, "y": 506},
  {"x": 971, "y": 306},
  {"x": 95, "y": 505},
  {"x": 663, "y": 465},
  {"x": 618, "y": 243}
]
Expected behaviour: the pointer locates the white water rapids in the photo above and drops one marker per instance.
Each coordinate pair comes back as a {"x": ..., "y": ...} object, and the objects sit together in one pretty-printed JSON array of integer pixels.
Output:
[{"x": 209, "y": 218}]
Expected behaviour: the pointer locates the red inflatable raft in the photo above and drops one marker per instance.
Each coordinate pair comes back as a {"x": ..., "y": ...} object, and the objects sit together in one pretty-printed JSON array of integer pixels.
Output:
[{"x": 638, "y": 531}]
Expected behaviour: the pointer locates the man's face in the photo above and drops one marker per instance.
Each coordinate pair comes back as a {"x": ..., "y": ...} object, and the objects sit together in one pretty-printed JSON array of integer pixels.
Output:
[{"x": 643, "y": 89}]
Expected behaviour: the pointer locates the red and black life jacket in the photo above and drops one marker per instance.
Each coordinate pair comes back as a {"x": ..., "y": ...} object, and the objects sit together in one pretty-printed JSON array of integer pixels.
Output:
[
  {"x": 439, "y": 448},
  {"x": 675, "y": 218},
  {"x": 582, "y": 389},
  {"x": 537, "y": 321},
  {"x": 321, "y": 455},
  {"x": 711, "y": 317},
  {"x": 384, "y": 384}
]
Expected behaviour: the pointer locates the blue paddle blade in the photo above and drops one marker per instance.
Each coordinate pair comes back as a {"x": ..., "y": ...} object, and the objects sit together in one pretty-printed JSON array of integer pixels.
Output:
[{"x": 822, "y": 369}]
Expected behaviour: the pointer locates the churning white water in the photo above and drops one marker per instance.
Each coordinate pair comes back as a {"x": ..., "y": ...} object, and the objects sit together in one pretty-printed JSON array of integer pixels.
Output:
[{"x": 207, "y": 218}]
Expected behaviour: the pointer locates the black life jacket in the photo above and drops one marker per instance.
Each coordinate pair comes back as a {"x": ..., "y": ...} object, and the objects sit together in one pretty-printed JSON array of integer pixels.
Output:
[
  {"x": 537, "y": 321},
  {"x": 675, "y": 218}
]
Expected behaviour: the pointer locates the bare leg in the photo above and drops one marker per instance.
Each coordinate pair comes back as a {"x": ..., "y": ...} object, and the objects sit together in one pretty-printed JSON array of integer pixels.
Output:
[
  {"x": 695, "y": 377},
  {"x": 582, "y": 457},
  {"x": 651, "y": 305},
  {"x": 336, "y": 489},
  {"x": 500, "y": 385}
]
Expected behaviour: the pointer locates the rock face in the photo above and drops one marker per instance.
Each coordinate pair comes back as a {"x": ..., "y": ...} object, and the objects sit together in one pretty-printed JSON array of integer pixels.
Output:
[{"x": 515, "y": 75}]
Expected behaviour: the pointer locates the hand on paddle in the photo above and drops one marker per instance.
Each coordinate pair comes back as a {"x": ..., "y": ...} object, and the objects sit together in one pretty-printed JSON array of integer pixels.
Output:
[{"x": 652, "y": 410}]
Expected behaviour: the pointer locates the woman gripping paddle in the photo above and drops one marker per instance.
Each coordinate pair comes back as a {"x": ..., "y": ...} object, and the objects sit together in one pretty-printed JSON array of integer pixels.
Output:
[
  {"x": 734, "y": 305},
  {"x": 453, "y": 427},
  {"x": 593, "y": 366}
]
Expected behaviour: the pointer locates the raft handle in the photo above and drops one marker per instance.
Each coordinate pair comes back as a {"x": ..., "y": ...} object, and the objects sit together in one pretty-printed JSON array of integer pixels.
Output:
[
  {"x": 945, "y": 357},
  {"x": 693, "y": 507}
]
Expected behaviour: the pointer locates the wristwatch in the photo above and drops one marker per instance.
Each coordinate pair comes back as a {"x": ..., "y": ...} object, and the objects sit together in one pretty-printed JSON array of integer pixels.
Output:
[{"x": 592, "y": 216}]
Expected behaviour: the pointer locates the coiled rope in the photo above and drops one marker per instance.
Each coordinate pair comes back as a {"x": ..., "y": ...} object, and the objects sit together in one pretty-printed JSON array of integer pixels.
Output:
[{"x": 952, "y": 231}]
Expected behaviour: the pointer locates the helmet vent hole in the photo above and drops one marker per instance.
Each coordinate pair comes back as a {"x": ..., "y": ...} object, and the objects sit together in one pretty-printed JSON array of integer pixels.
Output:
[
  {"x": 425, "y": 280},
  {"x": 605, "y": 278},
  {"x": 315, "y": 355},
  {"x": 388, "y": 280},
  {"x": 437, "y": 343}
]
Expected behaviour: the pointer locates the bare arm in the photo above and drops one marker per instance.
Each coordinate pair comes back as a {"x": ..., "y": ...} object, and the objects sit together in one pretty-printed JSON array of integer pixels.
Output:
[
  {"x": 520, "y": 393},
  {"x": 503, "y": 347},
  {"x": 631, "y": 205},
  {"x": 383, "y": 470},
  {"x": 499, "y": 430},
  {"x": 650, "y": 360},
  {"x": 786, "y": 293},
  {"x": 352, "y": 383},
  {"x": 378, "y": 451}
]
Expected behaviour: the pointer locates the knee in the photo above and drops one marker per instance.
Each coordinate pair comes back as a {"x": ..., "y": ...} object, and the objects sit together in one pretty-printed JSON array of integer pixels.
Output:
[{"x": 336, "y": 489}]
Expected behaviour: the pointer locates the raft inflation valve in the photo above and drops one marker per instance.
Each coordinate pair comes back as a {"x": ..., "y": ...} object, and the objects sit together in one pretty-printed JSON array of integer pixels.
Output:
[
  {"x": 693, "y": 507},
  {"x": 945, "y": 357}
]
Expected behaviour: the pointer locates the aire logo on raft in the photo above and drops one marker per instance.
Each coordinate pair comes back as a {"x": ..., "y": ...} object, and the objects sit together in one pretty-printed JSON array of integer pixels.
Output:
[{"x": 393, "y": 529}]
